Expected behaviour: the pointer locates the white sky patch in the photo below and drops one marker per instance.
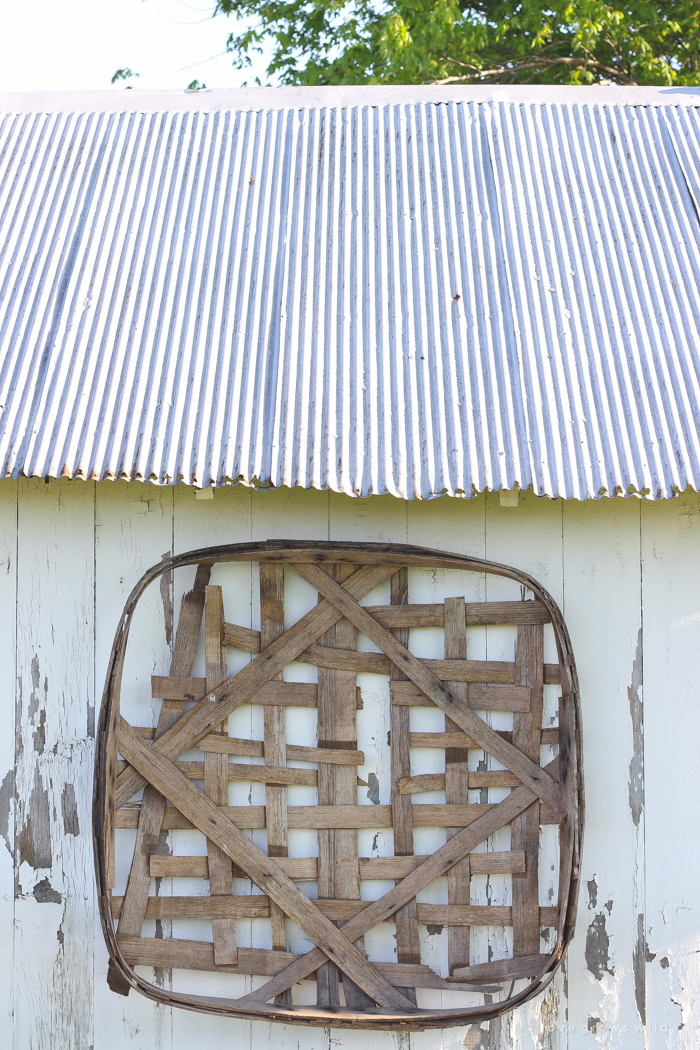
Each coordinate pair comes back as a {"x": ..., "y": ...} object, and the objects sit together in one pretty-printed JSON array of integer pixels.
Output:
[{"x": 79, "y": 44}]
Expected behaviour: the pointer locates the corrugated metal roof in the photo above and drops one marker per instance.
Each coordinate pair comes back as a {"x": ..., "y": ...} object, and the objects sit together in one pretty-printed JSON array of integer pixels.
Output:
[{"x": 369, "y": 291}]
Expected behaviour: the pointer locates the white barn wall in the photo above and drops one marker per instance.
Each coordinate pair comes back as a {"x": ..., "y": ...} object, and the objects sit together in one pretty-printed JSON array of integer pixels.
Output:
[{"x": 70, "y": 553}]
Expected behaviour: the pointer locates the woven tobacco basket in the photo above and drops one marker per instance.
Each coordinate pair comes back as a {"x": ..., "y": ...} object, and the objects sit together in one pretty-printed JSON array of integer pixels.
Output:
[{"x": 528, "y": 784}]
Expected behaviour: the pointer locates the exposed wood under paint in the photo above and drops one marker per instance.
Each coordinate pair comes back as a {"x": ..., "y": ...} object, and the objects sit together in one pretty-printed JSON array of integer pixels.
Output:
[{"x": 589, "y": 557}]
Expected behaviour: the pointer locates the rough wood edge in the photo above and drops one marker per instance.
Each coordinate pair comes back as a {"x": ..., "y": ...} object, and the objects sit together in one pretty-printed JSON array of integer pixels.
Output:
[{"x": 571, "y": 782}]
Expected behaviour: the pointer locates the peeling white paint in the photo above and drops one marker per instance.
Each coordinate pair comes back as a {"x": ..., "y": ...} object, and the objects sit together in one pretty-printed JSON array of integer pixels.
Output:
[{"x": 612, "y": 565}]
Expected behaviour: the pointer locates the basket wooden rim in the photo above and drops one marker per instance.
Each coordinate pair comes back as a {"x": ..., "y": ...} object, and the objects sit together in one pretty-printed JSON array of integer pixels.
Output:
[{"x": 311, "y": 555}]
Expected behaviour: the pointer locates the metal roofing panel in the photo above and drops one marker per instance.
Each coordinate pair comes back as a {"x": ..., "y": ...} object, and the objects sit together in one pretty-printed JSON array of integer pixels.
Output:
[{"x": 414, "y": 298}]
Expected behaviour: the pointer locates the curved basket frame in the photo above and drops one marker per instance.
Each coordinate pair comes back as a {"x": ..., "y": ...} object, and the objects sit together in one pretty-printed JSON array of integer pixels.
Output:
[{"x": 330, "y": 567}]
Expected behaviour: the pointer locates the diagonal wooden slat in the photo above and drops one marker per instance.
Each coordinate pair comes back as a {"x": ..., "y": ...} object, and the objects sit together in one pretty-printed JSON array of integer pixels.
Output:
[
  {"x": 158, "y": 770},
  {"x": 200, "y": 719},
  {"x": 435, "y": 866},
  {"x": 528, "y": 772}
]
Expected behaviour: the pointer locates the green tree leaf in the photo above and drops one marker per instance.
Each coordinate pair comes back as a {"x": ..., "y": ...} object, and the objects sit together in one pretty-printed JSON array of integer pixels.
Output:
[{"x": 457, "y": 41}]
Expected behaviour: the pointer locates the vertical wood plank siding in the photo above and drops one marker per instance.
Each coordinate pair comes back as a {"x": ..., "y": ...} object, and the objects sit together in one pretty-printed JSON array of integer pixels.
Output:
[{"x": 70, "y": 553}]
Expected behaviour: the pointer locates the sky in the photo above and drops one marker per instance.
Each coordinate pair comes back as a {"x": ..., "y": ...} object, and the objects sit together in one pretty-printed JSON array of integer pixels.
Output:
[{"x": 79, "y": 44}]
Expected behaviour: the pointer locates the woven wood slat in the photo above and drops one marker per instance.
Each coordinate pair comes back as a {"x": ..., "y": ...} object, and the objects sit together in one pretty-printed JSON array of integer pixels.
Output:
[
  {"x": 216, "y": 777},
  {"x": 457, "y": 782},
  {"x": 350, "y": 989},
  {"x": 272, "y": 628},
  {"x": 406, "y": 919}
]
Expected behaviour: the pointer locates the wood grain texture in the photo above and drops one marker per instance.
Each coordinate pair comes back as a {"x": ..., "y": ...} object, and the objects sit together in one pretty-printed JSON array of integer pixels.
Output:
[
  {"x": 216, "y": 778},
  {"x": 338, "y": 868},
  {"x": 275, "y": 738},
  {"x": 8, "y": 740},
  {"x": 407, "y": 933},
  {"x": 463, "y": 916},
  {"x": 377, "y": 757},
  {"x": 503, "y": 969},
  {"x": 53, "y": 689},
  {"x": 477, "y": 613},
  {"x": 302, "y": 869},
  {"x": 525, "y": 829},
  {"x": 275, "y": 693},
  {"x": 158, "y": 770},
  {"x": 256, "y": 749},
  {"x": 475, "y": 780},
  {"x": 457, "y": 784},
  {"x": 348, "y": 818},
  {"x": 153, "y": 805},
  {"x": 235, "y": 771},
  {"x": 529, "y": 773},
  {"x": 547, "y": 736},
  {"x": 438, "y": 864},
  {"x": 198, "y": 721},
  {"x": 198, "y": 955},
  {"x": 477, "y": 697}
]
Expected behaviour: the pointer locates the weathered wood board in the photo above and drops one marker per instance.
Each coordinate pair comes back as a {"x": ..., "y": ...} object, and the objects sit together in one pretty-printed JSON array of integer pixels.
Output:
[
  {"x": 154, "y": 786},
  {"x": 630, "y": 974}
]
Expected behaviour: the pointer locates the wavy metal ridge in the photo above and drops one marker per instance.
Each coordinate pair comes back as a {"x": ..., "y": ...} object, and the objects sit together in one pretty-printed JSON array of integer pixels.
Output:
[{"x": 415, "y": 299}]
